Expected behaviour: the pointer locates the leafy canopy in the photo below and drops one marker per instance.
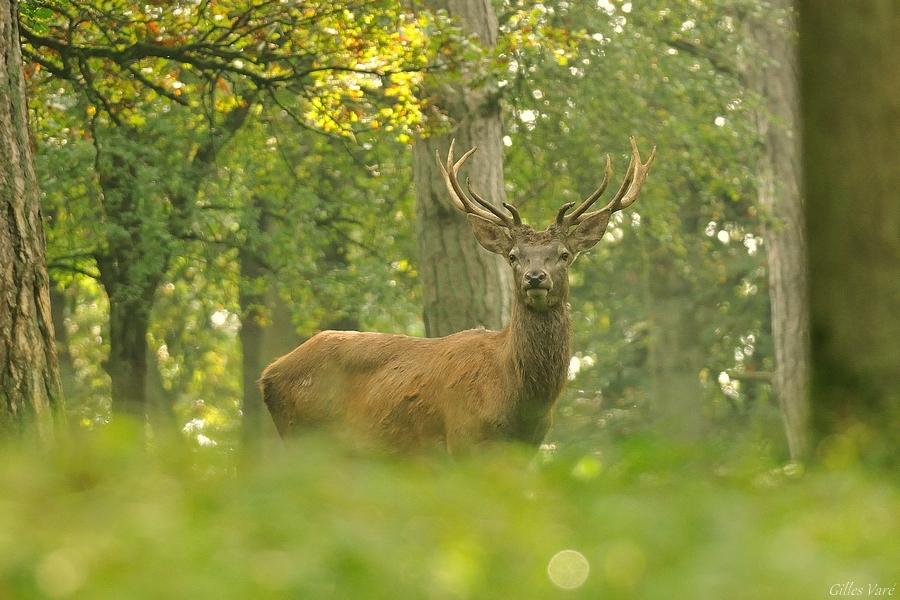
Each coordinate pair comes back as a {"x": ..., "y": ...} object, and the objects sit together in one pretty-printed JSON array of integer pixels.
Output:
[{"x": 335, "y": 67}]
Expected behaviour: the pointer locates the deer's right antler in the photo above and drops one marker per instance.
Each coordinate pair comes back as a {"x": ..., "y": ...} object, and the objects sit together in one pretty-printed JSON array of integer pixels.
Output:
[
  {"x": 625, "y": 197},
  {"x": 486, "y": 210}
]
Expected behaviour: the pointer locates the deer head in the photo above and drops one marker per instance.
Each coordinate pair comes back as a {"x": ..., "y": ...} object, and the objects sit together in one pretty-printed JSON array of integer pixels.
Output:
[{"x": 540, "y": 259}]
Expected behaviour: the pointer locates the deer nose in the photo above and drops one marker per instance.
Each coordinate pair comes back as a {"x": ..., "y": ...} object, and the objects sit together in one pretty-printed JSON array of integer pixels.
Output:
[{"x": 535, "y": 278}]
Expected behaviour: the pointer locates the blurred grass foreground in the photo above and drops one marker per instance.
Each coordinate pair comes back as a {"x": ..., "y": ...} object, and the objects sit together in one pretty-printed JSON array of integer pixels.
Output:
[{"x": 94, "y": 517}]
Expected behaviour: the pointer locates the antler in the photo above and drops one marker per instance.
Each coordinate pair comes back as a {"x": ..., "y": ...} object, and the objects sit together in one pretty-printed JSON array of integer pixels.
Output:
[
  {"x": 625, "y": 197},
  {"x": 486, "y": 210}
]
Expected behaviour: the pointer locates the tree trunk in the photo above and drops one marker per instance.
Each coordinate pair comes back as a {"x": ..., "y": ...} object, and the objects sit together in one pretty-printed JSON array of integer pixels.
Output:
[
  {"x": 775, "y": 80},
  {"x": 131, "y": 264},
  {"x": 252, "y": 363},
  {"x": 463, "y": 286},
  {"x": 129, "y": 321},
  {"x": 281, "y": 336},
  {"x": 139, "y": 245},
  {"x": 850, "y": 68},
  {"x": 58, "y": 306},
  {"x": 252, "y": 298},
  {"x": 676, "y": 355},
  {"x": 29, "y": 380},
  {"x": 160, "y": 401}
]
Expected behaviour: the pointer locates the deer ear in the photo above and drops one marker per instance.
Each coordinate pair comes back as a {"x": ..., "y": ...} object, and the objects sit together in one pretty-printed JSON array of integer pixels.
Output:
[
  {"x": 587, "y": 233},
  {"x": 492, "y": 237}
]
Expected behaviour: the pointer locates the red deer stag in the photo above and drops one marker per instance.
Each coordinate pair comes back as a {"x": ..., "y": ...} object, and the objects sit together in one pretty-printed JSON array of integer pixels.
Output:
[{"x": 470, "y": 387}]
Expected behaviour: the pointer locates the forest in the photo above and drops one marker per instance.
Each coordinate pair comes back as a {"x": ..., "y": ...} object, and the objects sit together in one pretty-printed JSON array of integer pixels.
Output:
[{"x": 192, "y": 189}]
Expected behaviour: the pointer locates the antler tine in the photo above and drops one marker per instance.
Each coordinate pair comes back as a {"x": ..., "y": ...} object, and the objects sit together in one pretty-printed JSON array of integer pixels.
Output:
[
  {"x": 490, "y": 207},
  {"x": 630, "y": 188},
  {"x": 561, "y": 215},
  {"x": 573, "y": 216},
  {"x": 457, "y": 202},
  {"x": 638, "y": 174},
  {"x": 457, "y": 196},
  {"x": 617, "y": 197},
  {"x": 517, "y": 220}
]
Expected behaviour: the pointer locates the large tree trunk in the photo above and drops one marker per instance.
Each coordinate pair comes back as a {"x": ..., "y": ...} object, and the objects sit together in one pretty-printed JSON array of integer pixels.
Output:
[
  {"x": 775, "y": 80},
  {"x": 29, "y": 381},
  {"x": 463, "y": 286},
  {"x": 850, "y": 66}
]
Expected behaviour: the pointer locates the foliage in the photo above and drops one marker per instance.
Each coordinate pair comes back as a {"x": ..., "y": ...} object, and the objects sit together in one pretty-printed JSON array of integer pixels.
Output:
[
  {"x": 134, "y": 58},
  {"x": 332, "y": 219},
  {"x": 152, "y": 95},
  {"x": 183, "y": 136},
  {"x": 679, "y": 282},
  {"x": 100, "y": 518}
]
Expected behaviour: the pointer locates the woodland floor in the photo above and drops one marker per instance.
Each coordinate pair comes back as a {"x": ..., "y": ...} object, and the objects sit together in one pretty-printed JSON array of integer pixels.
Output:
[{"x": 96, "y": 518}]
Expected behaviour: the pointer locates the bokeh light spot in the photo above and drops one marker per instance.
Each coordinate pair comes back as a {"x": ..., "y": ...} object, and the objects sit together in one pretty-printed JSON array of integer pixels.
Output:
[{"x": 568, "y": 569}]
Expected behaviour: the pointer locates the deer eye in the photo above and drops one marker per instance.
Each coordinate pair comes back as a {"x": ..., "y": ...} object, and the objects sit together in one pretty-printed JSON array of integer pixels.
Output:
[
  {"x": 564, "y": 256},
  {"x": 512, "y": 259}
]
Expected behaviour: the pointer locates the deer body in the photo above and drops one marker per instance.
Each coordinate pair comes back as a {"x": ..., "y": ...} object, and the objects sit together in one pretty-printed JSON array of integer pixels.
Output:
[
  {"x": 409, "y": 393},
  {"x": 469, "y": 387}
]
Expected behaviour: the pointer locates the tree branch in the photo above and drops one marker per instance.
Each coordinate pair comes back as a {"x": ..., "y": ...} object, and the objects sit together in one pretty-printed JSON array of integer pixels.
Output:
[
  {"x": 705, "y": 53},
  {"x": 59, "y": 266}
]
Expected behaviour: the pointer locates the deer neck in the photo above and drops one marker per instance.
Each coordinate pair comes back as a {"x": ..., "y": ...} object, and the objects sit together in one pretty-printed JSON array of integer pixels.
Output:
[{"x": 538, "y": 348}]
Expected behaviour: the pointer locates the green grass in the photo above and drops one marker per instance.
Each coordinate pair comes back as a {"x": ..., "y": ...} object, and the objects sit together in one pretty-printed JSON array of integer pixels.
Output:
[{"x": 96, "y": 518}]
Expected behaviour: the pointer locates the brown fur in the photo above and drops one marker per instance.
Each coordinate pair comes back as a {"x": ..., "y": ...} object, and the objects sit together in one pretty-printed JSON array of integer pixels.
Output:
[{"x": 412, "y": 393}]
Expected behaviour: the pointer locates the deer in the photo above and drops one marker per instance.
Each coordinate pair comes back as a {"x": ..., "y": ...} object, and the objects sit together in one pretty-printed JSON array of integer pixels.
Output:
[{"x": 474, "y": 387}]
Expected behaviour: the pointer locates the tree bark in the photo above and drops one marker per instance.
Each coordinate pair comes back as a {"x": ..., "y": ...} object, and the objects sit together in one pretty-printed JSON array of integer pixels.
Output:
[
  {"x": 58, "y": 307},
  {"x": 463, "y": 286},
  {"x": 130, "y": 265},
  {"x": 774, "y": 78},
  {"x": 281, "y": 336},
  {"x": 850, "y": 69},
  {"x": 252, "y": 299},
  {"x": 29, "y": 379},
  {"x": 252, "y": 363},
  {"x": 129, "y": 321}
]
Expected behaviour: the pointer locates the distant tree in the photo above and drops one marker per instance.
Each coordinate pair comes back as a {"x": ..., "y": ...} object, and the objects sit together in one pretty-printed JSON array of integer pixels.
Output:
[
  {"x": 850, "y": 73},
  {"x": 166, "y": 90},
  {"x": 463, "y": 286},
  {"x": 29, "y": 379},
  {"x": 771, "y": 72},
  {"x": 252, "y": 300}
]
